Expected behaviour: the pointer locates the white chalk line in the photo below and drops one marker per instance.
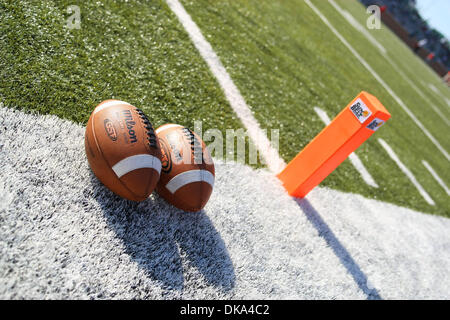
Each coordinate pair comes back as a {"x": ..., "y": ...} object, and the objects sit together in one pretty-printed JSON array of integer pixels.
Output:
[
  {"x": 353, "y": 157},
  {"x": 353, "y": 22},
  {"x": 428, "y": 101},
  {"x": 436, "y": 177},
  {"x": 439, "y": 93},
  {"x": 379, "y": 79},
  {"x": 406, "y": 171},
  {"x": 350, "y": 19},
  {"x": 232, "y": 94},
  {"x": 433, "y": 88}
]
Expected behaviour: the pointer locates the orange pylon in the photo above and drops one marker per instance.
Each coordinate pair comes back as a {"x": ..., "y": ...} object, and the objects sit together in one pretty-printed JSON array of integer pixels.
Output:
[{"x": 351, "y": 127}]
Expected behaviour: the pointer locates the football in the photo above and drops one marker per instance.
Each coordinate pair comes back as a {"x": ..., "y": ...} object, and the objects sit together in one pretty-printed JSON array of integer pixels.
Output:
[
  {"x": 187, "y": 174},
  {"x": 122, "y": 149}
]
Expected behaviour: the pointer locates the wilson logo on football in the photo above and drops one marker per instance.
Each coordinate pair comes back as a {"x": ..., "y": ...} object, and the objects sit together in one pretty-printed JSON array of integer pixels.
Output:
[
  {"x": 110, "y": 130},
  {"x": 130, "y": 125}
]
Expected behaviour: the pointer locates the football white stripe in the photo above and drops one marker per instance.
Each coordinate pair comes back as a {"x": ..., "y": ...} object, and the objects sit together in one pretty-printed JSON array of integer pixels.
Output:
[
  {"x": 139, "y": 161},
  {"x": 190, "y": 176},
  {"x": 167, "y": 126},
  {"x": 110, "y": 104}
]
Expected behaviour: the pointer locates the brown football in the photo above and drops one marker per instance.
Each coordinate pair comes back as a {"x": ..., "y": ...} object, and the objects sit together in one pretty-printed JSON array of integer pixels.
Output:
[
  {"x": 122, "y": 149},
  {"x": 187, "y": 174}
]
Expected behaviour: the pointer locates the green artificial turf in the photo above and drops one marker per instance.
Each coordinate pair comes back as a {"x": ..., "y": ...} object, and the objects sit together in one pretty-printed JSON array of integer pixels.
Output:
[
  {"x": 418, "y": 71},
  {"x": 281, "y": 56},
  {"x": 286, "y": 61},
  {"x": 134, "y": 51},
  {"x": 411, "y": 65},
  {"x": 429, "y": 118}
]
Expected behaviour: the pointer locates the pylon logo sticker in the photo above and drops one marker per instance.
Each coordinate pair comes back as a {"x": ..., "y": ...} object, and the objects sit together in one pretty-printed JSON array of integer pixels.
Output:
[
  {"x": 375, "y": 124},
  {"x": 360, "y": 110}
]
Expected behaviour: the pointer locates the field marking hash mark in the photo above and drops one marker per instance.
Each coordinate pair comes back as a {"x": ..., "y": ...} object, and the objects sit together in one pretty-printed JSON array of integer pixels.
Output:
[
  {"x": 436, "y": 176},
  {"x": 406, "y": 171}
]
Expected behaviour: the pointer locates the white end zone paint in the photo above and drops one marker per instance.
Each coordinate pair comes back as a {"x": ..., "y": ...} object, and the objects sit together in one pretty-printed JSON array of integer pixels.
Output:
[
  {"x": 353, "y": 157},
  {"x": 138, "y": 161},
  {"x": 187, "y": 177},
  {"x": 5, "y": 196},
  {"x": 234, "y": 97},
  {"x": 406, "y": 171},
  {"x": 436, "y": 176},
  {"x": 379, "y": 79},
  {"x": 251, "y": 242}
]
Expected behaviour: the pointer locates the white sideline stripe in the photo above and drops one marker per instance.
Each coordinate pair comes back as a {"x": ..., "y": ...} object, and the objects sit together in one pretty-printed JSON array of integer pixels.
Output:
[
  {"x": 139, "y": 161},
  {"x": 188, "y": 177},
  {"x": 406, "y": 171},
  {"x": 379, "y": 79},
  {"x": 234, "y": 97},
  {"x": 110, "y": 104},
  {"x": 167, "y": 126},
  {"x": 352, "y": 21},
  {"x": 436, "y": 177},
  {"x": 353, "y": 157}
]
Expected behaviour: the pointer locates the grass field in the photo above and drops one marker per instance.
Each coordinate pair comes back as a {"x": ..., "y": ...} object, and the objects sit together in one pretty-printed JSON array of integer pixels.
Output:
[
  {"x": 136, "y": 52},
  {"x": 413, "y": 66},
  {"x": 281, "y": 56}
]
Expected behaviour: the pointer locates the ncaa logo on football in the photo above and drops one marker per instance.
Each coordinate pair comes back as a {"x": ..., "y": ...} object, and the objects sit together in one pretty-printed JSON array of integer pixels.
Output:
[{"x": 360, "y": 110}]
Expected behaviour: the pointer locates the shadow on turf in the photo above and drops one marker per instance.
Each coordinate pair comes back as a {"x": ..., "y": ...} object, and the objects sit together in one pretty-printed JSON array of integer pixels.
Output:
[
  {"x": 339, "y": 250},
  {"x": 166, "y": 241}
]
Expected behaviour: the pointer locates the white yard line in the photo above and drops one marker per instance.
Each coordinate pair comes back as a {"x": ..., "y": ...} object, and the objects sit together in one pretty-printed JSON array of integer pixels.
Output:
[
  {"x": 347, "y": 15},
  {"x": 406, "y": 171},
  {"x": 352, "y": 21},
  {"x": 354, "y": 159},
  {"x": 237, "y": 102},
  {"x": 436, "y": 177},
  {"x": 379, "y": 79},
  {"x": 234, "y": 97},
  {"x": 436, "y": 90},
  {"x": 428, "y": 101}
]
